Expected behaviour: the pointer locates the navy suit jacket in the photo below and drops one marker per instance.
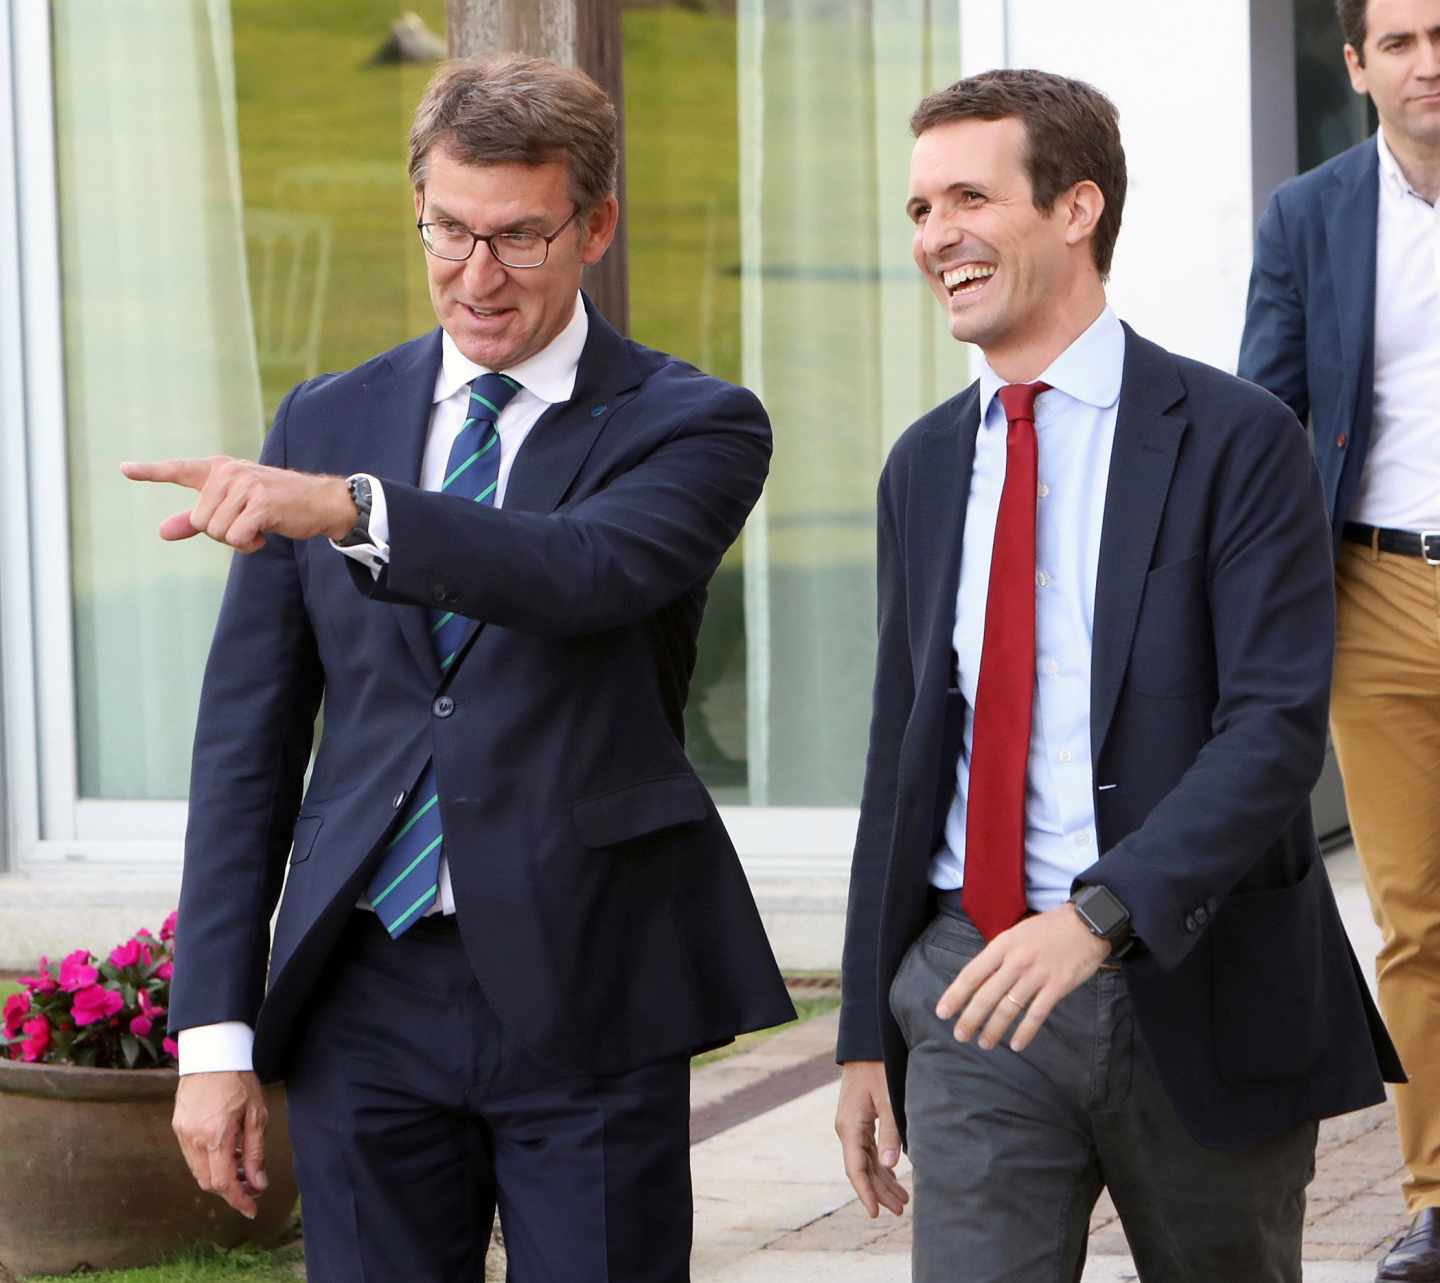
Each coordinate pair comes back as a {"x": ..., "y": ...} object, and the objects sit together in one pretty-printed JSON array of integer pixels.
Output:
[
  {"x": 599, "y": 899},
  {"x": 1310, "y": 320},
  {"x": 1209, "y": 682}
]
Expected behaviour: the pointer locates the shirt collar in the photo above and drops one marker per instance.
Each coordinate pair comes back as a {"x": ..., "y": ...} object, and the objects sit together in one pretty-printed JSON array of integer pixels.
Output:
[
  {"x": 1089, "y": 370},
  {"x": 549, "y": 374},
  {"x": 1390, "y": 169}
]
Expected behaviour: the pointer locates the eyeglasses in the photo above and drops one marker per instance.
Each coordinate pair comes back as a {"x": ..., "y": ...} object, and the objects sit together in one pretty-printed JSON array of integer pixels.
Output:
[{"x": 455, "y": 242}]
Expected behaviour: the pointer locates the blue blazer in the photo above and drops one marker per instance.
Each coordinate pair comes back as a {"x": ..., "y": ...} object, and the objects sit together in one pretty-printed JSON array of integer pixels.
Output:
[
  {"x": 599, "y": 899},
  {"x": 1310, "y": 320},
  {"x": 1209, "y": 683}
]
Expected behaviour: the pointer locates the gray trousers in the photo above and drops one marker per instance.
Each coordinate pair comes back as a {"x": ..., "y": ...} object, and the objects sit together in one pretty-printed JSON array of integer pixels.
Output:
[{"x": 1011, "y": 1150}]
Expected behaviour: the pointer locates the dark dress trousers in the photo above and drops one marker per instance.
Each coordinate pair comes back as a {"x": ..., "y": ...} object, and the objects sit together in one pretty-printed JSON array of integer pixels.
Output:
[
  {"x": 601, "y": 907},
  {"x": 1210, "y": 675},
  {"x": 1310, "y": 319}
]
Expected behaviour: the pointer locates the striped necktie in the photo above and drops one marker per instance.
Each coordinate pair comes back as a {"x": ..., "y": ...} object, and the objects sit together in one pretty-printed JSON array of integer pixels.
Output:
[{"x": 407, "y": 880}]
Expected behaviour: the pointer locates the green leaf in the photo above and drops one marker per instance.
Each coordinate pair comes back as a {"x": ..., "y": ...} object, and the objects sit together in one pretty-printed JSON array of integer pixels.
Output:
[
  {"x": 130, "y": 1045},
  {"x": 132, "y": 998}
]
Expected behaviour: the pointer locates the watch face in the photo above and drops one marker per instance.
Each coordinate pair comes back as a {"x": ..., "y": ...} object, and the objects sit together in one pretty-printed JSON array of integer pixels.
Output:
[{"x": 1101, "y": 909}]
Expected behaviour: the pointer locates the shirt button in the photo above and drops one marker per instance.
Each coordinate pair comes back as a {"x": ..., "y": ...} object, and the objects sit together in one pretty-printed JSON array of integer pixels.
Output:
[
  {"x": 1042, "y": 580},
  {"x": 443, "y": 706},
  {"x": 1043, "y": 491},
  {"x": 1064, "y": 755},
  {"x": 399, "y": 800},
  {"x": 1051, "y": 668},
  {"x": 1341, "y": 440}
]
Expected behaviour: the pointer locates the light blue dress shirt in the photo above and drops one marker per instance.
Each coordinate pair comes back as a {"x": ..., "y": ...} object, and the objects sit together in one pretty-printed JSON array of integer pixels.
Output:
[{"x": 1075, "y": 428}]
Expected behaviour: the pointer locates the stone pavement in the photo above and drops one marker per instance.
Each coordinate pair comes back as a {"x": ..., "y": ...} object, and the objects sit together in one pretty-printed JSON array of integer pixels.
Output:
[{"x": 772, "y": 1203}]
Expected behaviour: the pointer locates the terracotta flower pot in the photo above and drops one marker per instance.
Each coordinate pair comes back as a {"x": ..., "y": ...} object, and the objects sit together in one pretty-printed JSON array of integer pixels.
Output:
[{"x": 90, "y": 1174}]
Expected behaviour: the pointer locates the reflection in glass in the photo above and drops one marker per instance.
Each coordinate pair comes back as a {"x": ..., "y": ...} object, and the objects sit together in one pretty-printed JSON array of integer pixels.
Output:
[
  {"x": 846, "y": 347},
  {"x": 1329, "y": 114}
]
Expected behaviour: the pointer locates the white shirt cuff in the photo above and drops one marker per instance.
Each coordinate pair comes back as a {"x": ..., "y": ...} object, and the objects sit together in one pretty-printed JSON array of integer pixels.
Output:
[
  {"x": 376, "y": 553},
  {"x": 208, "y": 1049}
]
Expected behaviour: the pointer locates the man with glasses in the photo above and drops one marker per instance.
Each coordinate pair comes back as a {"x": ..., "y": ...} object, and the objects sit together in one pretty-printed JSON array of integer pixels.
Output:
[{"x": 511, "y": 911}]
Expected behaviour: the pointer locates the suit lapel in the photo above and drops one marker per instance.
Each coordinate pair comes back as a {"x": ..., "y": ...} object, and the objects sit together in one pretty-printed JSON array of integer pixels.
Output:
[
  {"x": 1142, "y": 463},
  {"x": 399, "y": 402},
  {"x": 556, "y": 447},
  {"x": 1351, "y": 218},
  {"x": 935, "y": 521}
]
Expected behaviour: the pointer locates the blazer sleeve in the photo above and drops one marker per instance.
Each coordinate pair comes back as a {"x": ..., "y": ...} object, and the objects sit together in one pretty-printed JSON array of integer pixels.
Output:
[
  {"x": 615, "y": 557},
  {"x": 1272, "y": 610},
  {"x": 1272, "y": 348},
  {"x": 893, "y": 698},
  {"x": 261, "y": 692}
]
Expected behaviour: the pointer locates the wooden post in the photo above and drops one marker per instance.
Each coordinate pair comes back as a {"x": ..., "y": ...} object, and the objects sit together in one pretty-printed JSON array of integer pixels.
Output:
[{"x": 579, "y": 33}]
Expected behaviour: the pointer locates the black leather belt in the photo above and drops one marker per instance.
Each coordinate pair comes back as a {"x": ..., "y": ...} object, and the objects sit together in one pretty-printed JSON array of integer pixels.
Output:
[{"x": 1407, "y": 543}]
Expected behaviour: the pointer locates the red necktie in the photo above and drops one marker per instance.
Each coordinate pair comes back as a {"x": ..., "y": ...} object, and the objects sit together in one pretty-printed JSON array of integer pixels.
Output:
[{"x": 994, "y": 891}]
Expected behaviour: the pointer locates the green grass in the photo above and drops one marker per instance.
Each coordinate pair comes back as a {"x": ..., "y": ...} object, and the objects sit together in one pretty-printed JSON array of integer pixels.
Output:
[{"x": 240, "y": 1265}]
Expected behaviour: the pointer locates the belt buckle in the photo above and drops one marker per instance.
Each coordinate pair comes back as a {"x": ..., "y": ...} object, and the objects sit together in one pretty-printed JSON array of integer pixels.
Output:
[{"x": 1426, "y": 536}]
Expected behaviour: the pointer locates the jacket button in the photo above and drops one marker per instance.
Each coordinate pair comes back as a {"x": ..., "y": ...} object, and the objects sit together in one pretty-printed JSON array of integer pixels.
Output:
[
  {"x": 443, "y": 706},
  {"x": 1202, "y": 915},
  {"x": 439, "y": 594},
  {"x": 399, "y": 800},
  {"x": 1190, "y": 924},
  {"x": 1341, "y": 440}
]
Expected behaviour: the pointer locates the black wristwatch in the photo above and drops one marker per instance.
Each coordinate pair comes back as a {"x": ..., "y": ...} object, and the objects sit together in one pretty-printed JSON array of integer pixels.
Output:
[
  {"x": 1100, "y": 910},
  {"x": 360, "y": 497}
]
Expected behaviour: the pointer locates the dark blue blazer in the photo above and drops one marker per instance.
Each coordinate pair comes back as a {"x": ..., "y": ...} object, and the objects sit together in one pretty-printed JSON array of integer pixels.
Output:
[
  {"x": 1210, "y": 678},
  {"x": 1310, "y": 320},
  {"x": 600, "y": 901}
]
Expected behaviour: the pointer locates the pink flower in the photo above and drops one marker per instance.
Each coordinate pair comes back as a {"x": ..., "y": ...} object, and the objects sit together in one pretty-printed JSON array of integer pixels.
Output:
[
  {"x": 126, "y": 955},
  {"x": 165, "y": 971},
  {"x": 148, "y": 1007},
  {"x": 76, "y": 973},
  {"x": 16, "y": 1006},
  {"x": 37, "y": 1039},
  {"x": 141, "y": 1026},
  {"x": 171, "y": 1047},
  {"x": 42, "y": 983},
  {"x": 167, "y": 928},
  {"x": 95, "y": 1003}
]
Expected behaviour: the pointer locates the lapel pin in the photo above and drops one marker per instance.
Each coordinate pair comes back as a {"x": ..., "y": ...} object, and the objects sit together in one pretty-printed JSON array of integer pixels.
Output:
[{"x": 597, "y": 411}]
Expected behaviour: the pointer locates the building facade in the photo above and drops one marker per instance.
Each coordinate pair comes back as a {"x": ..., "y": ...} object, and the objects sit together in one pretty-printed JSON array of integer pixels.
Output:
[{"x": 203, "y": 201}]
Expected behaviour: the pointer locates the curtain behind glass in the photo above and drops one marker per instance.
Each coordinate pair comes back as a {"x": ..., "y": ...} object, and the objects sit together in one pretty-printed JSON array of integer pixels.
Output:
[
  {"x": 845, "y": 346},
  {"x": 160, "y": 361}
]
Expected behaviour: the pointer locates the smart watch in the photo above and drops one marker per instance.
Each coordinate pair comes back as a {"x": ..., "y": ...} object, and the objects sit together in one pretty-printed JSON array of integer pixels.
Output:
[
  {"x": 360, "y": 497},
  {"x": 1101, "y": 911}
]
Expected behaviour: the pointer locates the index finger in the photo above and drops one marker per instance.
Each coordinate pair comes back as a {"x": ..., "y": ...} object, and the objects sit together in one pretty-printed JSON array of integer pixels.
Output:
[
  {"x": 972, "y": 975},
  {"x": 192, "y": 473}
]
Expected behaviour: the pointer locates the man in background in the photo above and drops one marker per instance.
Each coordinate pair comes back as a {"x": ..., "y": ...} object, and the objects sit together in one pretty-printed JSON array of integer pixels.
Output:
[
  {"x": 488, "y": 550},
  {"x": 1343, "y": 325}
]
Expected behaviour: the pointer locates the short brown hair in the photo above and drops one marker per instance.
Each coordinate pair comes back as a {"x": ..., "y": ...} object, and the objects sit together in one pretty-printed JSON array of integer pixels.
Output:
[
  {"x": 1072, "y": 134},
  {"x": 487, "y": 111},
  {"x": 1351, "y": 14}
]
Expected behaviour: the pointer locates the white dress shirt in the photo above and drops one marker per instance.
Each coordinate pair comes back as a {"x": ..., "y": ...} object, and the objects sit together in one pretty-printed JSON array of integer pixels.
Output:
[
  {"x": 1400, "y": 486},
  {"x": 1075, "y": 429},
  {"x": 546, "y": 379}
]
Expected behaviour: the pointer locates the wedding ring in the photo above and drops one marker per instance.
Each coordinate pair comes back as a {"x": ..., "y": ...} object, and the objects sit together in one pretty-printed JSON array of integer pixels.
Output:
[{"x": 1014, "y": 1002}]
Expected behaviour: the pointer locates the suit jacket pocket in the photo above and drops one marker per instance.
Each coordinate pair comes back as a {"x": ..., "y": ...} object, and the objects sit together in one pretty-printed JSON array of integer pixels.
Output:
[
  {"x": 638, "y": 809},
  {"x": 1173, "y": 653},
  {"x": 307, "y": 829},
  {"x": 1268, "y": 996}
]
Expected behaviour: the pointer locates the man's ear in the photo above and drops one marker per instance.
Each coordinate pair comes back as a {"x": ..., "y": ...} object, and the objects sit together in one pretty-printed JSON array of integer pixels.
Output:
[
  {"x": 600, "y": 223},
  {"x": 1355, "y": 65},
  {"x": 419, "y": 203},
  {"x": 1084, "y": 204}
]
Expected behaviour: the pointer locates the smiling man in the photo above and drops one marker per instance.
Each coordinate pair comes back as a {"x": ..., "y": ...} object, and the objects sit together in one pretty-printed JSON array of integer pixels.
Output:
[
  {"x": 1343, "y": 325},
  {"x": 511, "y": 911},
  {"x": 1090, "y": 940}
]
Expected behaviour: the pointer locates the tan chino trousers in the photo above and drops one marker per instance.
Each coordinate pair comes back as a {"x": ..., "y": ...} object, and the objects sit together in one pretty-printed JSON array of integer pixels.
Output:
[{"x": 1385, "y": 720}]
